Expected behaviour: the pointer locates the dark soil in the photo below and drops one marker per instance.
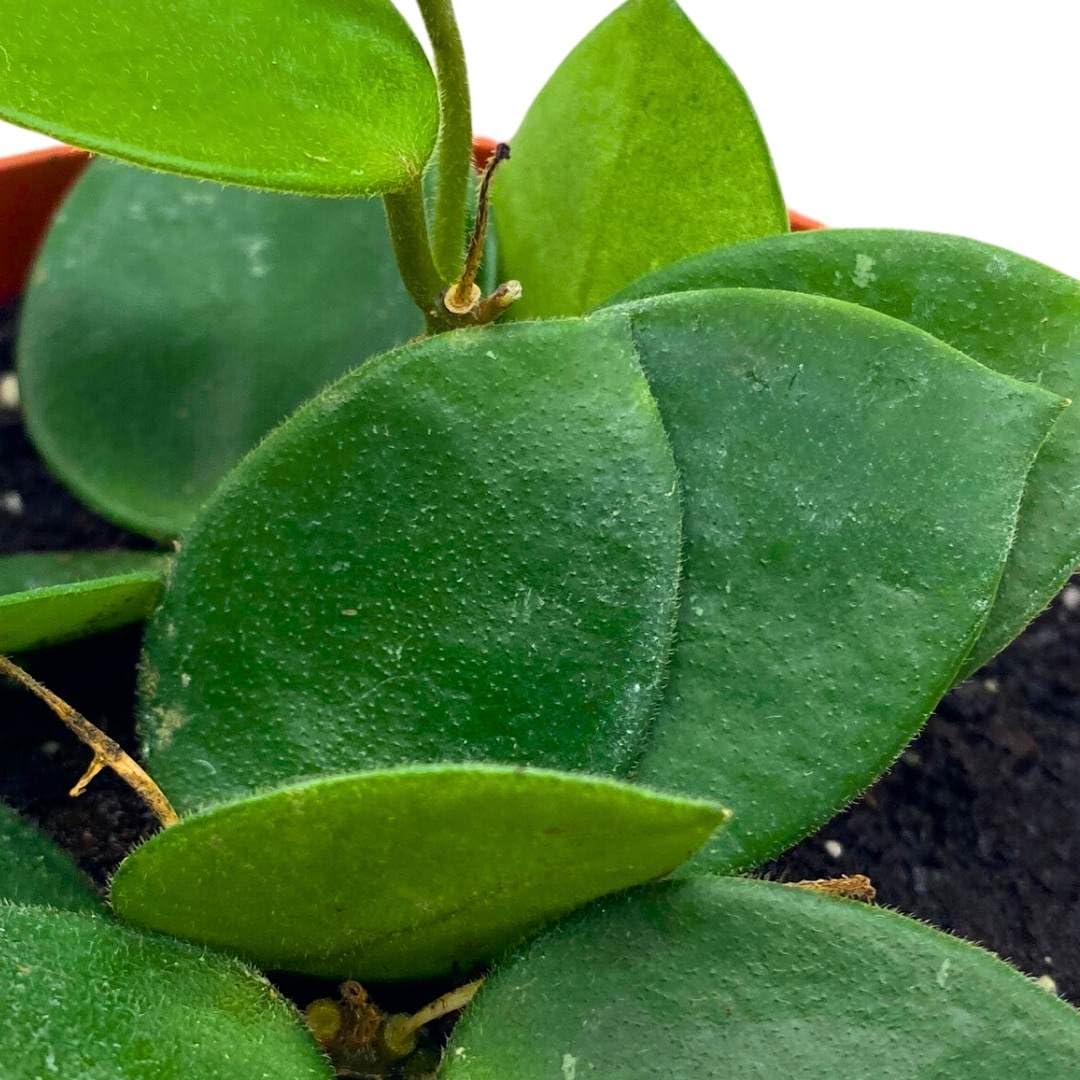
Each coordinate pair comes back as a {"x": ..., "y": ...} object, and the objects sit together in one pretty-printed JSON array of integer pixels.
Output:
[{"x": 976, "y": 829}]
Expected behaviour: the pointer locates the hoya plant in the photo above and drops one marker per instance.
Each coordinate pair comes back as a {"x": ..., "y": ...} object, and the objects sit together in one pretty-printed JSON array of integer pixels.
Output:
[{"x": 542, "y": 549}]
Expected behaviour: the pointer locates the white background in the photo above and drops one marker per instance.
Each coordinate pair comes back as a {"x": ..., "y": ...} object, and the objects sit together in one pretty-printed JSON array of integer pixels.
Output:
[{"x": 949, "y": 115}]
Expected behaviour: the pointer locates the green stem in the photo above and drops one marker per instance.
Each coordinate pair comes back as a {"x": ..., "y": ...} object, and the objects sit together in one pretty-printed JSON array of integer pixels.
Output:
[
  {"x": 412, "y": 247},
  {"x": 455, "y": 134}
]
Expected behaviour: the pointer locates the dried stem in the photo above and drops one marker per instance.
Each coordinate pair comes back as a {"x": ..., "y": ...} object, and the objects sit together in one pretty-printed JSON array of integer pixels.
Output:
[
  {"x": 448, "y": 1003},
  {"x": 107, "y": 753}
]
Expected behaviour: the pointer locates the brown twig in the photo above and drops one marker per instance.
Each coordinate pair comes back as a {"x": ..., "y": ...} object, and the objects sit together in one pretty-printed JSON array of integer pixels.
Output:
[{"x": 107, "y": 753}]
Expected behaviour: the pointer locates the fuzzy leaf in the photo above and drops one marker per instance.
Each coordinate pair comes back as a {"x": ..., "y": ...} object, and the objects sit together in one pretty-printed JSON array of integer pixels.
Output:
[
  {"x": 33, "y": 870},
  {"x": 1009, "y": 313},
  {"x": 850, "y": 487},
  {"x": 465, "y": 550},
  {"x": 55, "y": 596},
  {"x": 718, "y": 978},
  {"x": 83, "y": 997},
  {"x": 406, "y": 873},
  {"x": 195, "y": 317},
  {"x": 328, "y": 97},
  {"x": 640, "y": 150}
]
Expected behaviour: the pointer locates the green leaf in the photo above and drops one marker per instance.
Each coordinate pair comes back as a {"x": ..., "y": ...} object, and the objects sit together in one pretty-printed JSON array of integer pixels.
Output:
[
  {"x": 850, "y": 487},
  {"x": 749, "y": 979},
  {"x": 83, "y": 997},
  {"x": 328, "y": 97},
  {"x": 641, "y": 149},
  {"x": 1009, "y": 313},
  {"x": 55, "y": 596},
  {"x": 33, "y": 870},
  {"x": 465, "y": 550},
  {"x": 195, "y": 318},
  {"x": 406, "y": 873}
]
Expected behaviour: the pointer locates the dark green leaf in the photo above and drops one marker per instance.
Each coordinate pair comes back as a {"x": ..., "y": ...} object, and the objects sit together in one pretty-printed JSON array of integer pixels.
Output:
[
  {"x": 1009, "y": 313},
  {"x": 33, "y": 870},
  {"x": 81, "y": 997},
  {"x": 641, "y": 149},
  {"x": 466, "y": 550},
  {"x": 850, "y": 487},
  {"x": 195, "y": 318},
  {"x": 333, "y": 97},
  {"x": 721, "y": 978},
  {"x": 49, "y": 597},
  {"x": 405, "y": 873}
]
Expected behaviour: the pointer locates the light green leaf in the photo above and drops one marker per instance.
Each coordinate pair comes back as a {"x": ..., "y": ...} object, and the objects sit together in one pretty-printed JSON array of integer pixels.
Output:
[
  {"x": 719, "y": 978},
  {"x": 465, "y": 550},
  {"x": 1009, "y": 313},
  {"x": 641, "y": 149},
  {"x": 321, "y": 96},
  {"x": 850, "y": 487},
  {"x": 195, "y": 318},
  {"x": 83, "y": 997},
  {"x": 33, "y": 870},
  {"x": 55, "y": 596},
  {"x": 406, "y": 873}
]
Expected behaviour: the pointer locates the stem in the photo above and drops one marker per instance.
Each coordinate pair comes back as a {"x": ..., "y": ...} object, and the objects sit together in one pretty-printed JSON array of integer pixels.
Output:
[
  {"x": 107, "y": 753},
  {"x": 412, "y": 248},
  {"x": 448, "y": 1003},
  {"x": 455, "y": 133}
]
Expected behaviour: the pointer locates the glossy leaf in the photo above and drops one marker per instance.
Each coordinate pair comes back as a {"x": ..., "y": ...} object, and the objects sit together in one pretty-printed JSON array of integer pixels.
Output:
[
  {"x": 465, "y": 550},
  {"x": 55, "y": 596},
  {"x": 405, "y": 873},
  {"x": 33, "y": 870},
  {"x": 1009, "y": 313},
  {"x": 330, "y": 97},
  {"x": 640, "y": 150},
  {"x": 850, "y": 487},
  {"x": 83, "y": 997},
  {"x": 195, "y": 318},
  {"x": 725, "y": 977}
]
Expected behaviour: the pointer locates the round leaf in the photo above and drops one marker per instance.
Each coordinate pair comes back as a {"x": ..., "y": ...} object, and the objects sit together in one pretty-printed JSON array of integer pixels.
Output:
[
  {"x": 1009, "y": 313},
  {"x": 465, "y": 550},
  {"x": 719, "y": 978},
  {"x": 195, "y": 317},
  {"x": 406, "y": 873},
  {"x": 324, "y": 97},
  {"x": 33, "y": 870},
  {"x": 83, "y": 997},
  {"x": 850, "y": 487},
  {"x": 50, "y": 597}
]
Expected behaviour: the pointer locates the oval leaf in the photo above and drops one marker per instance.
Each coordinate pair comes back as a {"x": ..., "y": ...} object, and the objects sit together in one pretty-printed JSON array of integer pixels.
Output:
[
  {"x": 1009, "y": 313},
  {"x": 728, "y": 977},
  {"x": 406, "y": 873},
  {"x": 195, "y": 317},
  {"x": 640, "y": 150},
  {"x": 33, "y": 870},
  {"x": 850, "y": 488},
  {"x": 55, "y": 596},
  {"x": 324, "y": 97},
  {"x": 466, "y": 550},
  {"x": 83, "y": 997}
]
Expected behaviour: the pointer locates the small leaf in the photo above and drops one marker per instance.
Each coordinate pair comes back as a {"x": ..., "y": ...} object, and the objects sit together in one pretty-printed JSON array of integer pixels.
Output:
[
  {"x": 50, "y": 597},
  {"x": 641, "y": 149},
  {"x": 726, "y": 977},
  {"x": 1009, "y": 313},
  {"x": 33, "y": 870},
  {"x": 406, "y": 873},
  {"x": 327, "y": 97},
  {"x": 195, "y": 318},
  {"x": 850, "y": 487},
  {"x": 83, "y": 997},
  {"x": 465, "y": 550}
]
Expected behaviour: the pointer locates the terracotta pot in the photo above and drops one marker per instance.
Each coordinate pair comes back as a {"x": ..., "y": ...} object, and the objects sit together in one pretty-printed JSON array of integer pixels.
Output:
[{"x": 31, "y": 187}]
